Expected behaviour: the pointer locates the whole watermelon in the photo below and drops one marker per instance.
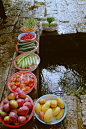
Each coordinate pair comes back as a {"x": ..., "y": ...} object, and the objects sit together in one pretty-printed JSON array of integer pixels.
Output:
[
  {"x": 45, "y": 23},
  {"x": 50, "y": 19},
  {"x": 53, "y": 24}
]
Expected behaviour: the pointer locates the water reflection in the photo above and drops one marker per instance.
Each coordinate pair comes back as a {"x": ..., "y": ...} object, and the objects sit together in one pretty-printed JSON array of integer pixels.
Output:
[{"x": 59, "y": 80}]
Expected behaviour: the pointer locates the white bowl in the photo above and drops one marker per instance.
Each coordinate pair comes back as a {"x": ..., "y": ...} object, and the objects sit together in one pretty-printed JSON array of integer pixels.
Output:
[
  {"x": 51, "y": 97},
  {"x": 20, "y": 35},
  {"x": 49, "y": 28}
]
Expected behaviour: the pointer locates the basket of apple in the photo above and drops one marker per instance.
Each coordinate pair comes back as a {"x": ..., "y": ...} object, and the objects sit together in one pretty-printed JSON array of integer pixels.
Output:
[{"x": 16, "y": 109}]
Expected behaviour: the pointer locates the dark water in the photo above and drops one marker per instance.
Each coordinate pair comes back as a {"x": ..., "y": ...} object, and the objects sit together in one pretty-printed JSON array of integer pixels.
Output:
[{"x": 62, "y": 75}]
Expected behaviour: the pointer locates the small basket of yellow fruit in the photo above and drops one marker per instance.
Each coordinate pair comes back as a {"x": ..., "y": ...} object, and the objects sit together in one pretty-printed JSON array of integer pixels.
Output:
[{"x": 50, "y": 109}]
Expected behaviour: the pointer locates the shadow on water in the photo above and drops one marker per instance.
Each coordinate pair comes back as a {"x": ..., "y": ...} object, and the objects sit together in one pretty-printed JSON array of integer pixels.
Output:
[{"x": 64, "y": 74}]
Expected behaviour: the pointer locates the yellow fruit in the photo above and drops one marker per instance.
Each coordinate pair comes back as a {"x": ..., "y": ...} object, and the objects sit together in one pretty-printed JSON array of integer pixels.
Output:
[
  {"x": 53, "y": 103},
  {"x": 42, "y": 101},
  {"x": 48, "y": 101},
  {"x": 60, "y": 102},
  {"x": 48, "y": 115},
  {"x": 38, "y": 108},
  {"x": 60, "y": 114},
  {"x": 56, "y": 110},
  {"x": 45, "y": 107}
]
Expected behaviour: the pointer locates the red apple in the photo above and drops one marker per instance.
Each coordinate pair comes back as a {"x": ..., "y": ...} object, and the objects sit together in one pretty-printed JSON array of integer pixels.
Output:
[
  {"x": 15, "y": 110},
  {"x": 21, "y": 94},
  {"x": 28, "y": 104},
  {"x": 6, "y": 107},
  {"x": 41, "y": 115},
  {"x": 23, "y": 110},
  {"x": 21, "y": 119},
  {"x": 11, "y": 96},
  {"x": 6, "y": 101},
  {"x": 27, "y": 116},
  {"x": 13, "y": 116},
  {"x": 13, "y": 104},
  {"x": 26, "y": 99},
  {"x": 17, "y": 97},
  {"x": 15, "y": 94},
  {"x": 20, "y": 102},
  {"x": 7, "y": 119}
]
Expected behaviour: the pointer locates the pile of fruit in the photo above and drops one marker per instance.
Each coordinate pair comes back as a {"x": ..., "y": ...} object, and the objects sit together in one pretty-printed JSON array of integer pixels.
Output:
[
  {"x": 16, "y": 108},
  {"x": 46, "y": 110},
  {"x": 50, "y": 22},
  {"x": 22, "y": 80},
  {"x": 29, "y": 25},
  {"x": 27, "y": 61},
  {"x": 26, "y": 45}
]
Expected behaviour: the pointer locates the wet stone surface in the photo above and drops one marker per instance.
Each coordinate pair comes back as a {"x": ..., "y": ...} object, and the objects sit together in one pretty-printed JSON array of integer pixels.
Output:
[
  {"x": 13, "y": 13},
  {"x": 83, "y": 108},
  {"x": 81, "y": 27},
  {"x": 7, "y": 47},
  {"x": 16, "y": 7},
  {"x": 5, "y": 29},
  {"x": 7, "y": 6},
  {"x": 62, "y": 28},
  {"x": 20, "y": 22},
  {"x": 12, "y": 20},
  {"x": 26, "y": 14}
]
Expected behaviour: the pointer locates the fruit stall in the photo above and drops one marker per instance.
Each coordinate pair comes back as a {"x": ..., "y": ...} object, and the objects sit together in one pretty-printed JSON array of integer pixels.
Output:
[{"x": 20, "y": 106}]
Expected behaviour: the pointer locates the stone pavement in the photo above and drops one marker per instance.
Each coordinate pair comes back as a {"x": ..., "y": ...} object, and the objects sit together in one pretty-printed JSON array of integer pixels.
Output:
[{"x": 71, "y": 18}]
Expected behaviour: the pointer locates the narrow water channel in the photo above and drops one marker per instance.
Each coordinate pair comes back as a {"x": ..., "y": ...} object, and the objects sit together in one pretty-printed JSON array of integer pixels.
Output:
[{"x": 61, "y": 75}]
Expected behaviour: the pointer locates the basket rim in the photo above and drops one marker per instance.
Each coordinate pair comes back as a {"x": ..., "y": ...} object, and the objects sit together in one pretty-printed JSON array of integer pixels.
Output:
[
  {"x": 33, "y": 50},
  {"x": 29, "y": 31},
  {"x": 26, "y": 69},
  {"x": 18, "y": 73}
]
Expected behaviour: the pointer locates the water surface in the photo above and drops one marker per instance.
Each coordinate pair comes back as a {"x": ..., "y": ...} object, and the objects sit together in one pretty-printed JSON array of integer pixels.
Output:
[{"x": 63, "y": 77}]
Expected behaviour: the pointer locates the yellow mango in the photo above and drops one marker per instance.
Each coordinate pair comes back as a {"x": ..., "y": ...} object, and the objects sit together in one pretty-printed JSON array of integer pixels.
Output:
[
  {"x": 48, "y": 101},
  {"x": 48, "y": 115},
  {"x": 60, "y": 102},
  {"x": 45, "y": 107},
  {"x": 56, "y": 110},
  {"x": 60, "y": 114},
  {"x": 42, "y": 101},
  {"x": 38, "y": 108},
  {"x": 53, "y": 103}
]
